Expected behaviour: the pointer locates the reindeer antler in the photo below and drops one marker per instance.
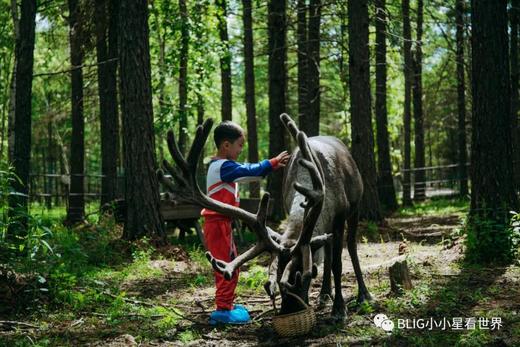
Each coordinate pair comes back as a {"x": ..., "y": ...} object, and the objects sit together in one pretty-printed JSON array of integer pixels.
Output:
[{"x": 187, "y": 190}]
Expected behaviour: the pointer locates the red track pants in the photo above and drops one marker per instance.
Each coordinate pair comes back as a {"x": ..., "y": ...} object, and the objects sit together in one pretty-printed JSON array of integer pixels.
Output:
[{"x": 219, "y": 241}]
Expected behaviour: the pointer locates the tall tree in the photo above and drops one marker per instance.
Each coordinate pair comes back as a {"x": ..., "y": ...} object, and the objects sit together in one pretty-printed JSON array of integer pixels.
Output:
[
  {"x": 515, "y": 105},
  {"x": 419, "y": 163},
  {"x": 252, "y": 138},
  {"x": 141, "y": 184},
  {"x": 492, "y": 189},
  {"x": 408, "y": 78},
  {"x": 312, "y": 128},
  {"x": 76, "y": 206},
  {"x": 359, "y": 85},
  {"x": 106, "y": 48},
  {"x": 12, "y": 87},
  {"x": 385, "y": 183},
  {"x": 24, "y": 59},
  {"x": 461, "y": 99},
  {"x": 303, "y": 61},
  {"x": 225, "y": 60},
  {"x": 183, "y": 75},
  {"x": 277, "y": 28}
]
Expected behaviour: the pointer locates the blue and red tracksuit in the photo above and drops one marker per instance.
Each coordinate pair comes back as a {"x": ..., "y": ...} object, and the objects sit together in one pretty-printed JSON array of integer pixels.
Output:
[{"x": 222, "y": 185}]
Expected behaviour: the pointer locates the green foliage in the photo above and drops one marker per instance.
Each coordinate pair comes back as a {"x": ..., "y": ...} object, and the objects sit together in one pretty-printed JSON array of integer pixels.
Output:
[
  {"x": 29, "y": 247},
  {"x": 253, "y": 278},
  {"x": 492, "y": 240}
]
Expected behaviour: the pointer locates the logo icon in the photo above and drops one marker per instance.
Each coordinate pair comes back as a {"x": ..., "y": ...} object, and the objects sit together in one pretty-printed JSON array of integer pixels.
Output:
[{"x": 382, "y": 321}]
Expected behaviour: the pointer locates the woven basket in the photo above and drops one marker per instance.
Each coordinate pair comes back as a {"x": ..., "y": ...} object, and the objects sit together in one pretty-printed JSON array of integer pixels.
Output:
[{"x": 296, "y": 323}]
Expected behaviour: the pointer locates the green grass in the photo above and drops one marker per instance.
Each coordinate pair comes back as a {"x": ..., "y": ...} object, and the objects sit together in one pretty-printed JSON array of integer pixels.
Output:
[{"x": 437, "y": 207}]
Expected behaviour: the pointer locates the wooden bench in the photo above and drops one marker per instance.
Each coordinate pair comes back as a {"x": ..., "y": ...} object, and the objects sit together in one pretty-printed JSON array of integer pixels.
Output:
[{"x": 186, "y": 216}]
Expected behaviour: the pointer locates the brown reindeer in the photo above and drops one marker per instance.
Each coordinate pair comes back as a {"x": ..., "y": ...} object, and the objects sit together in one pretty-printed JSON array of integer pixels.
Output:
[{"x": 322, "y": 190}]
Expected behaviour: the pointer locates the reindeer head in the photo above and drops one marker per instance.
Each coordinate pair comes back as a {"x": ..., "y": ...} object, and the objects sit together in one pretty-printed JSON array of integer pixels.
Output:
[{"x": 291, "y": 268}]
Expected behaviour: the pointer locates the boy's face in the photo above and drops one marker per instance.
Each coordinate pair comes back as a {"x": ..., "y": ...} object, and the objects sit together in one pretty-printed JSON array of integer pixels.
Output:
[{"x": 233, "y": 150}]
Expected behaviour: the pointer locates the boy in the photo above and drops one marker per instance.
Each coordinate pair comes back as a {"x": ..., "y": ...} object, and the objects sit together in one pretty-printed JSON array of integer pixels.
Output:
[{"x": 223, "y": 174}]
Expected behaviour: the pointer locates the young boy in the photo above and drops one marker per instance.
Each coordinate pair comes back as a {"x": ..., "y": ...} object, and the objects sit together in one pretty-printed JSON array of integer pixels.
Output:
[{"x": 223, "y": 174}]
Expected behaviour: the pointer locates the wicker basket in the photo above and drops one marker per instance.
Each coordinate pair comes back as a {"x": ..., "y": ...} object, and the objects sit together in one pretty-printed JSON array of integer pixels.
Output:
[{"x": 296, "y": 323}]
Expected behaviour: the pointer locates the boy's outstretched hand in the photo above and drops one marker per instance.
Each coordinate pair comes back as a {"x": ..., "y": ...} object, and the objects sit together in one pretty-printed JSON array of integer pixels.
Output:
[{"x": 280, "y": 160}]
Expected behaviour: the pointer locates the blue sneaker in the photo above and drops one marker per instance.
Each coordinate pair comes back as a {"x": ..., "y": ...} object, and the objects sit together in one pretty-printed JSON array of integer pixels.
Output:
[
  {"x": 234, "y": 316},
  {"x": 240, "y": 307}
]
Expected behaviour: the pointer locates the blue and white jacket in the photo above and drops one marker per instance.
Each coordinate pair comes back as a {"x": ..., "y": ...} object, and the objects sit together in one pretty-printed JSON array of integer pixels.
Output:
[{"x": 223, "y": 178}]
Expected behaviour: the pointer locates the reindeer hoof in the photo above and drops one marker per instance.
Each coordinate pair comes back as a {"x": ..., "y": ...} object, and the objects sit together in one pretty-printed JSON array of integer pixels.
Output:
[
  {"x": 338, "y": 315},
  {"x": 362, "y": 297},
  {"x": 323, "y": 299}
]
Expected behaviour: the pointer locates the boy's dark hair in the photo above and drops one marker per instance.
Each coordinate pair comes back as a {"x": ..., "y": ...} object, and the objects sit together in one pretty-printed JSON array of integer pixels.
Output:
[{"x": 227, "y": 131}]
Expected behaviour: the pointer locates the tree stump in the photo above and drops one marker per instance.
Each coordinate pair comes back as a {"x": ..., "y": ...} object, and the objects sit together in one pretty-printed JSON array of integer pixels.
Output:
[{"x": 400, "y": 277}]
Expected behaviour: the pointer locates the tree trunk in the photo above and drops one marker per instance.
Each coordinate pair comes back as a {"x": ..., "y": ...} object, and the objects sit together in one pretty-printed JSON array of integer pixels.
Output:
[
  {"x": 362, "y": 136},
  {"x": 400, "y": 279},
  {"x": 12, "y": 86},
  {"x": 24, "y": 59},
  {"x": 141, "y": 183},
  {"x": 252, "y": 140},
  {"x": 107, "y": 84},
  {"x": 407, "y": 36},
  {"x": 225, "y": 60},
  {"x": 385, "y": 181},
  {"x": 461, "y": 99},
  {"x": 303, "y": 75},
  {"x": 183, "y": 76},
  {"x": 420, "y": 173},
  {"x": 493, "y": 192},
  {"x": 6, "y": 93},
  {"x": 50, "y": 161},
  {"x": 515, "y": 8},
  {"x": 161, "y": 42},
  {"x": 312, "y": 128},
  {"x": 76, "y": 210},
  {"x": 277, "y": 27}
]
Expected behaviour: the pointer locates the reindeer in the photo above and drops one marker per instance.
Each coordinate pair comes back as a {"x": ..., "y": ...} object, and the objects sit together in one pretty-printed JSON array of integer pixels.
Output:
[{"x": 322, "y": 190}]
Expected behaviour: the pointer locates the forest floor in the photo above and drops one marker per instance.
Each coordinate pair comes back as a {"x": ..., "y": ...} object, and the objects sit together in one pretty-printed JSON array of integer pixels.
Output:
[{"x": 142, "y": 296}]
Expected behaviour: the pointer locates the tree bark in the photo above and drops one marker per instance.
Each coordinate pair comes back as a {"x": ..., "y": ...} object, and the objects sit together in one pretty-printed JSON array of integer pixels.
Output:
[
  {"x": 359, "y": 82},
  {"x": 141, "y": 183},
  {"x": 252, "y": 139},
  {"x": 420, "y": 173},
  {"x": 461, "y": 100},
  {"x": 76, "y": 209},
  {"x": 312, "y": 128},
  {"x": 493, "y": 192},
  {"x": 277, "y": 28},
  {"x": 183, "y": 76},
  {"x": 24, "y": 60},
  {"x": 408, "y": 78},
  {"x": 225, "y": 61},
  {"x": 106, "y": 19},
  {"x": 385, "y": 181}
]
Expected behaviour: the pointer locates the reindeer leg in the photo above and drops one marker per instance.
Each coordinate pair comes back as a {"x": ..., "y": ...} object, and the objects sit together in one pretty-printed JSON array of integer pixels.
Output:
[
  {"x": 363, "y": 293},
  {"x": 338, "y": 308},
  {"x": 326, "y": 292}
]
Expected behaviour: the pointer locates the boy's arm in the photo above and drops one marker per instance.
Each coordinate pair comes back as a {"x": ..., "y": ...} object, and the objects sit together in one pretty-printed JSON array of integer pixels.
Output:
[{"x": 232, "y": 171}]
